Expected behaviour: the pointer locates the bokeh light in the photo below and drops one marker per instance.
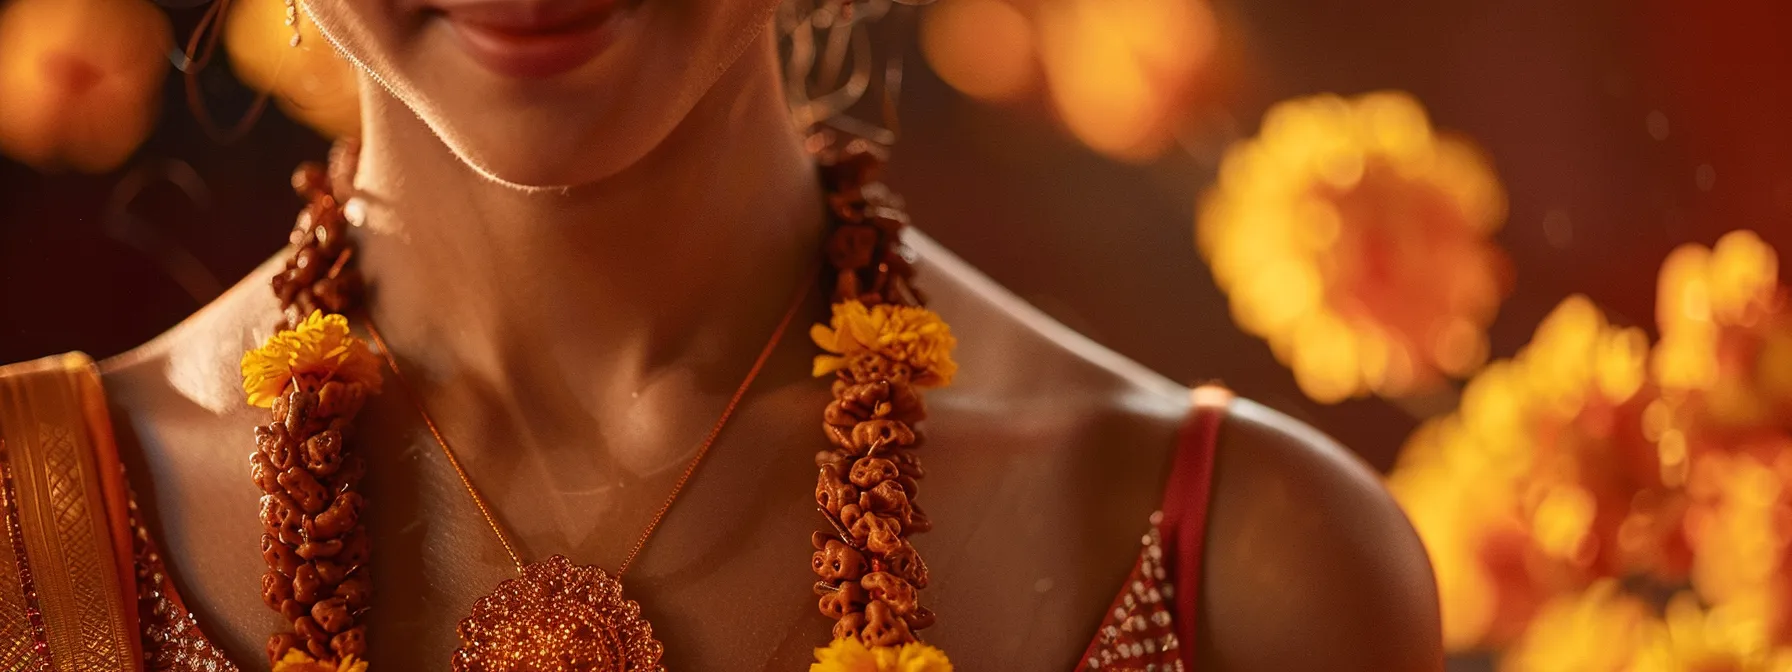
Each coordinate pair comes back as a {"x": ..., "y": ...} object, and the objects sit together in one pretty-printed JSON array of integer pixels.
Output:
[
  {"x": 1121, "y": 74},
  {"x": 310, "y": 81},
  {"x": 80, "y": 80},
  {"x": 1357, "y": 242},
  {"x": 981, "y": 47}
]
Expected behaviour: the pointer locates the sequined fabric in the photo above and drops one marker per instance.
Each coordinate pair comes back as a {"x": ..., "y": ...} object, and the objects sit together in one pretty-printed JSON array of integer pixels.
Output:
[
  {"x": 1138, "y": 633},
  {"x": 26, "y": 644},
  {"x": 172, "y": 641}
]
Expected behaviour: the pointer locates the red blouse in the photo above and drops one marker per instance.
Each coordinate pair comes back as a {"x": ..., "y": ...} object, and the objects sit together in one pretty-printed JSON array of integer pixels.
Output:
[{"x": 1151, "y": 625}]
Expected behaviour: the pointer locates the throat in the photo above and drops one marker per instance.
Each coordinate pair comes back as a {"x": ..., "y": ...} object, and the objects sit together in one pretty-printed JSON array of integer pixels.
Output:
[{"x": 607, "y": 321}]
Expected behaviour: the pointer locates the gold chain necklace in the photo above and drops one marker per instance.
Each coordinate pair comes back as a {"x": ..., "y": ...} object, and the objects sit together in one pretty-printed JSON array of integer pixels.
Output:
[{"x": 557, "y": 615}]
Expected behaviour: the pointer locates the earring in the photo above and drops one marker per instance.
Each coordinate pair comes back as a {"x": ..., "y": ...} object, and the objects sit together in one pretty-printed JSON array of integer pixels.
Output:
[{"x": 292, "y": 21}]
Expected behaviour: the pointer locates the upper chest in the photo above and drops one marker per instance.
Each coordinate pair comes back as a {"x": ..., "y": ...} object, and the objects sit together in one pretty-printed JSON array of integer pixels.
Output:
[{"x": 1037, "y": 508}]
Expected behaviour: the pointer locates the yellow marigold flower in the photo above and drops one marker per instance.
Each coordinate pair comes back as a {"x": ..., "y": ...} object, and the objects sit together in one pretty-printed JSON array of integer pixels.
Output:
[
  {"x": 1590, "y": 461},
  {"x": 1736, "y": 527},
  {"x": 846, "y": 654},
  {"x": 1543, "y": 478},
  {"x": 850, "y": 655},
  {"x": 917, "y": 657},
  {"x": 1357, "y": 241},
  {"x": 298, "y": 661},
  {"x": 908, "y": 335},
  {"x": 1726, "y": 333},
  {"x": 1693, "y": 638},
  {"x": 319, "y": 350},
  {"x": 1600, "y": 630}
]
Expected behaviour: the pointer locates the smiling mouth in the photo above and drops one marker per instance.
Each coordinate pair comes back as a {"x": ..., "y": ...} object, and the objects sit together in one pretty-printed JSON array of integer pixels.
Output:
[{"x": 531, "y": 39}]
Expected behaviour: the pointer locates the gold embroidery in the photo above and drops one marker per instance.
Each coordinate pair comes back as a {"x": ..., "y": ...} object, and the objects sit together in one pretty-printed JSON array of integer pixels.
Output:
[
  {"x": 95, "y": 649},
  {"x": 51, "y": 416}
]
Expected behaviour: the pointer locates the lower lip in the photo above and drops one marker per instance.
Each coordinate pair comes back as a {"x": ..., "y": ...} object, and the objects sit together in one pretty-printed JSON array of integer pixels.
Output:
[{"x": 535, "y": 55}]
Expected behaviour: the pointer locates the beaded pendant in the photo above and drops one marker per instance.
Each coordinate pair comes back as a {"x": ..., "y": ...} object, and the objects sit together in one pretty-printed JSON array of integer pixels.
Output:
[{"x": 557, "y": 617}]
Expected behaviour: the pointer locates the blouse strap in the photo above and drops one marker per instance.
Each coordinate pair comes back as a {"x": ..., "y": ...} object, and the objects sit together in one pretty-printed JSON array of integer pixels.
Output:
[
  {"x": 1186, "y": 501},
  {"x": 67, "y": 584}
]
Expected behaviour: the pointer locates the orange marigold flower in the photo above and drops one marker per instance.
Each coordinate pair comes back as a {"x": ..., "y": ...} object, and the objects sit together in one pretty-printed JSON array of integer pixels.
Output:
[
  {"x": 1542, "y": 480},
  {"x": 908, "y": 335},
  {"x": 850, "y": 655},
  {"x": 298, "y": 661},
  {"x": 1568, "y": 472},
  {"x": 1692, "y": 638},
  {"x": 318, "y": 350},
  {"x": 1726, "y": 333},
  {"x": 1738, "y": 528},
  {"x": 1357, "y": 241},
  {"x": 1603, "y": 629},
  {"x": 1599, "y": 630},
  {"x": 1723, "y": 362}
]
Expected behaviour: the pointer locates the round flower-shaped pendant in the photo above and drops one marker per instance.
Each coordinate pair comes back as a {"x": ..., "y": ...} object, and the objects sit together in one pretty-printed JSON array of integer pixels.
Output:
[{"x": 557, "y": 617}]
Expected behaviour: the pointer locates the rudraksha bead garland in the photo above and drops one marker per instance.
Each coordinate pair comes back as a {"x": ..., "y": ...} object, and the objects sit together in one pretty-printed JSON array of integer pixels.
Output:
[
  {"x": 870, "y": 575},
  {"x": 313, "y": 541},
  {"x": 883, "y": 347},
  {"x": 319, "y": 275}
]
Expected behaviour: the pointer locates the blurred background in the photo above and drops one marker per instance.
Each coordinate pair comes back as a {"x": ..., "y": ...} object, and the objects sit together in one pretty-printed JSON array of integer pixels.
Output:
[{"x": 1521, "y": 255}]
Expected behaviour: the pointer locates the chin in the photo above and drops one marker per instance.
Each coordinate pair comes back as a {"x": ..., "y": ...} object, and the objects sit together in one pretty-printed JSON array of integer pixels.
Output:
[
  {"x": 546, "y": 93},
  {"x": 544, "y": 162},
  {"x": 530, "y": 143}
]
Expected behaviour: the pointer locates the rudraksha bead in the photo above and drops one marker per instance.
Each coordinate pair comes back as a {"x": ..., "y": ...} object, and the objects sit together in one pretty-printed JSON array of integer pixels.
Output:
[{"x": 868, "y": 480}]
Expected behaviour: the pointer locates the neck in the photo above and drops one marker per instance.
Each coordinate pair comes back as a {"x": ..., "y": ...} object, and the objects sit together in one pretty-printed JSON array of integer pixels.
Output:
[{"x": 683, "y": 261}]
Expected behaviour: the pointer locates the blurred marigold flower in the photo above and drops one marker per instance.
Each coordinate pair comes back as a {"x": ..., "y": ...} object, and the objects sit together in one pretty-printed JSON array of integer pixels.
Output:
[
  {"x": 1356, "y": 240},
  {"x": 310, "y": 81},
  {"x": 1605, "y": 629},
  {"x": 1740, "y": 528},
  {"x": 1541, "y": 482},
  {"x": 1691, "y": 638},
  {"x": 80, "y": 80},
  {"x": 1597, "y": 477},
  {"x": 1726, "y": 335},
  {"x": 1725, "y": 366},
  {"x": 1599, "y": 630}
]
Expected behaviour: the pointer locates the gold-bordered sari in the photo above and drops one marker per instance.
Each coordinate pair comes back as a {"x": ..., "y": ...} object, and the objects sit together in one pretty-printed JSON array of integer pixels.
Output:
[
  {"x": 82, "y": 588},
  {"x": 67, "y": 581}
]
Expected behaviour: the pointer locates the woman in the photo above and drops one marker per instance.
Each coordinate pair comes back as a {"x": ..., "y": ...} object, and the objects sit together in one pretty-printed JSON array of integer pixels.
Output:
[{"x": 581, "y": 218}]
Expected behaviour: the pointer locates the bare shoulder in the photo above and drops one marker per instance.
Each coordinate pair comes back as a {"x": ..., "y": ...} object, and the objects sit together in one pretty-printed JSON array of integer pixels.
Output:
[
  {"x": 177, "y": 401},
  {"x": 1309, "y": 563},
  {"x": 194, "y": 362}
]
